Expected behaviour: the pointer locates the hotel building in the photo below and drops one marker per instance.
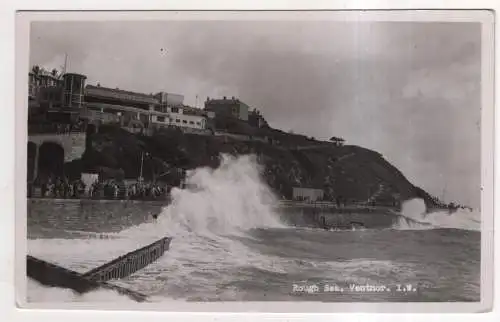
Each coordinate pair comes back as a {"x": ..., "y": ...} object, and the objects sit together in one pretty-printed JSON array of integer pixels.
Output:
[{"x": 67, "y": 98}]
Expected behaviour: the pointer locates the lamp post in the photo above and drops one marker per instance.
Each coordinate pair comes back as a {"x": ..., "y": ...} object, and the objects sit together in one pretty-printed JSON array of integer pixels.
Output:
[{"x": 142, "y": 165}]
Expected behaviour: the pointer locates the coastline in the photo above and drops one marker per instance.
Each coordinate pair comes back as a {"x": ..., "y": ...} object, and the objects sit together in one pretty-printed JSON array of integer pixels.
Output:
[
  {"x": 282, "y": 204},
  {"x": 95, "y": 201}
]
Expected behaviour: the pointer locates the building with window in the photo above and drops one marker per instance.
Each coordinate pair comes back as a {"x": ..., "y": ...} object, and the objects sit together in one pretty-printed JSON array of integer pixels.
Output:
[
  {"x": 44, "y": 88},
  {"x": 69, "y": 95},
  {"x": 232, "y": 107},
  {"x": 181, "y": 116},
  {"x": 39, "y": 78},
  {"x": 169, "y": 99},
  {"x": 55, "y": 97},
  {"x": 131, "y": 109}
]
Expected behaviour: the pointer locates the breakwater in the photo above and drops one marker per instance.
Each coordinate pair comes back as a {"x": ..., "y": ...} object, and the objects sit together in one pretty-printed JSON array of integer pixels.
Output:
[
  {"x": 56, "y": 276},
  {"x": 129, "y": 263}
]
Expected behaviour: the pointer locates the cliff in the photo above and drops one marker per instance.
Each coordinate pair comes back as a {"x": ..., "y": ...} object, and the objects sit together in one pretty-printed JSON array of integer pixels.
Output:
[{"x": 351, "y": 173}]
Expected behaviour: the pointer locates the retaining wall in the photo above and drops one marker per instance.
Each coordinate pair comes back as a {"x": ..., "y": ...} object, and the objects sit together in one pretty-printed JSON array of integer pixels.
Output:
[
  {"x": 88, "y": 215},
  {"x": 338, "y": 218}
]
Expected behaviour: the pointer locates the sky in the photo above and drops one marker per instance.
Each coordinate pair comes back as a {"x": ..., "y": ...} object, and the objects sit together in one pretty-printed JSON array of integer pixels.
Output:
[{"x": 409, "y": 90}]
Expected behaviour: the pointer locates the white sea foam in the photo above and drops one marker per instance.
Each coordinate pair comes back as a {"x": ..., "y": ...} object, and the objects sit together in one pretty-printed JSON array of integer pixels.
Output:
[
  {"x": 414, "y": 215},
  {"x": 227, "y": 200},
  {"x": 207, "y": 221},
  {"x": 216, "y": 205}
]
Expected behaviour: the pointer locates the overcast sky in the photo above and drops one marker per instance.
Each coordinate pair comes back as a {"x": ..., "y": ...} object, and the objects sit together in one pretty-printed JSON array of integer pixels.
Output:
[{"x": 408, "y": 90}]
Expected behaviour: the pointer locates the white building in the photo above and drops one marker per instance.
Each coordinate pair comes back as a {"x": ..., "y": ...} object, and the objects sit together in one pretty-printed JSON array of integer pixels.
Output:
[{"x": 184, "y": 116}]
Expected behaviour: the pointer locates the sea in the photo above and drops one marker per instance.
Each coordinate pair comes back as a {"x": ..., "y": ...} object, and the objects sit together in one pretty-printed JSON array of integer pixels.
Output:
[{"x": 229, "y": 244}]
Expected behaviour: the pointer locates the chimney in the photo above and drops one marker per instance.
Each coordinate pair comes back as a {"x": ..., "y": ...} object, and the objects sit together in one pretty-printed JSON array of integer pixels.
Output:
[{"x": 224, "y": 98}]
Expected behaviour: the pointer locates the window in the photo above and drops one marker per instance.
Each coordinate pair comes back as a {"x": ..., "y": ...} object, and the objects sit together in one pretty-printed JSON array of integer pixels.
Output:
[
  {"x": 160, "y": 118},
  {"x": 184, "y": 121},
  {"x": 198, "y": 123},
  {"x": 177, "y": 121},
  {"x": 175, "y": 110},
  {"x": 191, "y": 122}
]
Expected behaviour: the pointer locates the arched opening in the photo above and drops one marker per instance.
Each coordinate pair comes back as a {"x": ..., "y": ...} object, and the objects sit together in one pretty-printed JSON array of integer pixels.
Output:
[
  {"x": 51, "y": 160},
  {"x": 31, "y": 161}
]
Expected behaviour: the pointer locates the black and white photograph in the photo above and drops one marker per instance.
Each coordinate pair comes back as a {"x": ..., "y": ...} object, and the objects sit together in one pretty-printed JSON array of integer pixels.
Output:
[{"x": 236, "y": 157}]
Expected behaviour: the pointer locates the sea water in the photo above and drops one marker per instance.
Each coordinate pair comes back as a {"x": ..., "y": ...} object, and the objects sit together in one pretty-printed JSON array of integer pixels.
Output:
[{"x": 229, "y": 245}]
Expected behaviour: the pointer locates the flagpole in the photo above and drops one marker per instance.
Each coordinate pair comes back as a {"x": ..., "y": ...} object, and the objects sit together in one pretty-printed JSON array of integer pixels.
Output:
[{"x": 65, "y": 63}]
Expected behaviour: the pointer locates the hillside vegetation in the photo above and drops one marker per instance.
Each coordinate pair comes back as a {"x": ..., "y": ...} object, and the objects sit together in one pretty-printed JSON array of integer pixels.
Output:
[{"x": 349, "y": 173}]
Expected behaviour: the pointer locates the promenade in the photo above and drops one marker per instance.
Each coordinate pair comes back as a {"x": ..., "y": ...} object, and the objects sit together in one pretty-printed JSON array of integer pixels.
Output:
[{"x": 282, "y": 204}]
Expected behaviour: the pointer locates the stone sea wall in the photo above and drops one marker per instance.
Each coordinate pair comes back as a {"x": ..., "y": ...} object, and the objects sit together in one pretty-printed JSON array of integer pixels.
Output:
[
  {"x": 52, "y": 215},
  {"x": 51, "y": 218},
  {"x": 341, "y": 218}
]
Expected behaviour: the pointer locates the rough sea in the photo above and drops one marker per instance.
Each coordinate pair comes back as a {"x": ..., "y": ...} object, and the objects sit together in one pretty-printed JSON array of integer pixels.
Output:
[{"x": 229, "y": 245}]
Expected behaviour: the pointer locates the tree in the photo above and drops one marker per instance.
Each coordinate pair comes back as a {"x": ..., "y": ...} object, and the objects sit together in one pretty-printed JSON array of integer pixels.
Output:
[
  {"x": 35, "y": 69},
  {"x": 54, "y": 72},
  {"x": 337, "y": 141}
]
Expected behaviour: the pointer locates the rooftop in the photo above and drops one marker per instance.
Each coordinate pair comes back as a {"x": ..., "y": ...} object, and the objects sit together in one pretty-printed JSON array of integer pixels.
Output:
[
  {"x": 120, "y": 94},
  {"x": 222, "y": 100},
  {"x": 117, "y": 90},
  {"x": 193, "y": 110}
]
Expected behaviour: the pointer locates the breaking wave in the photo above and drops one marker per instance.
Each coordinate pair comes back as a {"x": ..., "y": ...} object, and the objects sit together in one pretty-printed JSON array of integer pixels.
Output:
[
  {"x": 211, "y": 222},
  {"x": 205, "y": 220},
  {"x": 414, "y": 215},
  {"x": 230, "y": 199}
]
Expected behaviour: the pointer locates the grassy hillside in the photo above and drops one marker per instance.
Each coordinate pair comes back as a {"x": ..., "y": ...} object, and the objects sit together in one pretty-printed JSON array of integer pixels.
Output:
[{"x": 349, "y": 172}]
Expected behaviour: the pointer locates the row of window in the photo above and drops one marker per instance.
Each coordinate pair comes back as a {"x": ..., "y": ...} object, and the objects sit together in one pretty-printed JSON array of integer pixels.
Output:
[
  {"x": 162, "y": 119},
  {"x": 160, "y": 108}
]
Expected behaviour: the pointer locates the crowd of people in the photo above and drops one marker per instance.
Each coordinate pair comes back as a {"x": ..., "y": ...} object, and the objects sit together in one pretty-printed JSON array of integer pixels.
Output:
[
  {"x": 57, "y": 188},
  {"x": 64, "y": 188},
  {"x": 111, "y": 189}
]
